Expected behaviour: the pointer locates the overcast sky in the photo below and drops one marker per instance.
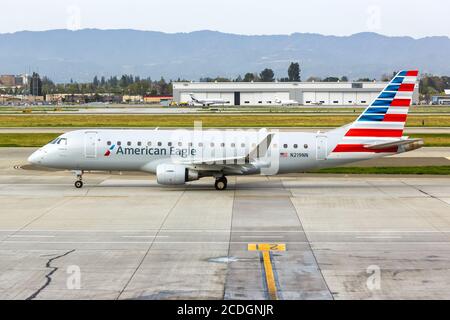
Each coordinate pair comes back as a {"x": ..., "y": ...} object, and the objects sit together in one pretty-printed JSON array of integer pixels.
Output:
[{"x": 416, "y": 18}]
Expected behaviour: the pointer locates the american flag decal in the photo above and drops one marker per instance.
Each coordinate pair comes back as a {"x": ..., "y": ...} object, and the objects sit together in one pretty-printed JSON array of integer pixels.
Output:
[{"x": 283, "y": 154}]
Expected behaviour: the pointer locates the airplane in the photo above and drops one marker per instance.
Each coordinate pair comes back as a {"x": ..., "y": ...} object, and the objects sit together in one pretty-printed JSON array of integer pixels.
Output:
[
  {"x": 287, "y": 102},
  {"x": 208, "y": 102},
  {"x": 180, "y": 156}
]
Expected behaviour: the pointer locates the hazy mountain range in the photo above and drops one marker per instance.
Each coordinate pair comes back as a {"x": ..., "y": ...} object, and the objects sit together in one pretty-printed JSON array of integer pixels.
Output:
[{"x": 63, "y": 54}]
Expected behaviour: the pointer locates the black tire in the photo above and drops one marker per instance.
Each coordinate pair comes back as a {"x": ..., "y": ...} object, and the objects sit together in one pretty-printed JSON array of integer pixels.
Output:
[
  {"x": 79, "y": 184},
  {"x": 221, "y": 184}
]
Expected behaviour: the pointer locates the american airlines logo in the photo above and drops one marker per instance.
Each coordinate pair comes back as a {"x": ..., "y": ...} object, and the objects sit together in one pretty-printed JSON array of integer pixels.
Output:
[{"x": 108, "y": 152}]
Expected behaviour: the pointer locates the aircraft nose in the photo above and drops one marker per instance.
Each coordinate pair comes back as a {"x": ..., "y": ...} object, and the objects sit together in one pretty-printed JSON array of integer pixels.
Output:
[{"x": 36, "y": 157}]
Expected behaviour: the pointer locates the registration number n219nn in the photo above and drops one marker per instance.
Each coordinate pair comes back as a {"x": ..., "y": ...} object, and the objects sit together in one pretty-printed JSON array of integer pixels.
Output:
[{"x": 299, "y": 155}]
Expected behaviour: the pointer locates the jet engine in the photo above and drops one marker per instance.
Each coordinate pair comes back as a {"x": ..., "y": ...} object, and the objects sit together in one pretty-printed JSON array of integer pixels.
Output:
[{"x": 174, "y": 174}]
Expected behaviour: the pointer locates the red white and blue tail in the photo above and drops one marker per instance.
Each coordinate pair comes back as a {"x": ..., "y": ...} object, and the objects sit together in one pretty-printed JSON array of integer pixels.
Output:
[{"x": 384, "y": 120}]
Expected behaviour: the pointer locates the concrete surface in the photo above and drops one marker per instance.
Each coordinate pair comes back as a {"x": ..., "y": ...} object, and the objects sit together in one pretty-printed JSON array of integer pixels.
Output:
[{"x": 346, "y": 238}]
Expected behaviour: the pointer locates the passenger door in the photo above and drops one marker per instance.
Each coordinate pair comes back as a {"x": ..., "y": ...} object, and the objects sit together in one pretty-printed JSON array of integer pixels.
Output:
[
  {"x": 90, "y": 144},
  {"x": 321, "y": 147}
]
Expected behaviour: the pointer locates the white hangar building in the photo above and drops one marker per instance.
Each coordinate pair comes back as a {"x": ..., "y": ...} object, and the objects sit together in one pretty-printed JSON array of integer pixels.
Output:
[{"x": 265, "y": 93}]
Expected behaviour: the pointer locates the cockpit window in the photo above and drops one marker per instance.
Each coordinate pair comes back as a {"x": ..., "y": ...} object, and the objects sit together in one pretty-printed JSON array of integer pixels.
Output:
[{"x": 60, "y": 141}]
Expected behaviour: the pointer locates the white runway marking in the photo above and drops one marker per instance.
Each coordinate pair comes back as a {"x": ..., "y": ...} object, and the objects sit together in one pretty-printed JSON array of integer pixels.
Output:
[
  {"x": 379, "y": 237},
  {"x": 234, "y": 231},
  {"x": 262, "y": 236},
  {"x": 145, "y": 236},
  {"x": 221, "y": 242},
  {"x": 30, "y": 236}
]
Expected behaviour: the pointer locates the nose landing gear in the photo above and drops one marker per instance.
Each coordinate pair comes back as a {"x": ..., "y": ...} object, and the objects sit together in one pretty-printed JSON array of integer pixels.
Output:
[
  {"x": 79, "y": 182},
  {"x": 221, "y": 183}
]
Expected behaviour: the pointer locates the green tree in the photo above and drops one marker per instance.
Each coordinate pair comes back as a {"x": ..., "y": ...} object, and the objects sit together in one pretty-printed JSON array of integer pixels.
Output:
[
  {"x": 364, "y": 80},
  {"x": 331, "y": 79},
  {"x": 314, "y": 79},
  {"x": 249, "y": 77},
  {"x": 344, "y": 79},
  {"x": 267, "y": 75},
  {"x": 95, "y": 82},
  {"x": 294, "y": 72}
]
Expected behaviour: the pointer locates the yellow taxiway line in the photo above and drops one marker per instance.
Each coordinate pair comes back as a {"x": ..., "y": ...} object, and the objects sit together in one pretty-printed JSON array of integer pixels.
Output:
[
  {"x": 270, "y": 278},
  {"x": 266, "y": 248}
]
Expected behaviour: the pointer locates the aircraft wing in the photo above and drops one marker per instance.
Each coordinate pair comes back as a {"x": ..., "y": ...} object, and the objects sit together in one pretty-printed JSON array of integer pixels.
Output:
[
  {"x": 396, "y": 143},
  {"x": 231, "y": 162}
]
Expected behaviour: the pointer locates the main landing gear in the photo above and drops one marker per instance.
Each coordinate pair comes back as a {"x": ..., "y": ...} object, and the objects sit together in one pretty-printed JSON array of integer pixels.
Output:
[
  {"x": 221, "y": 183},
  {"x": 79, "y": 182}
]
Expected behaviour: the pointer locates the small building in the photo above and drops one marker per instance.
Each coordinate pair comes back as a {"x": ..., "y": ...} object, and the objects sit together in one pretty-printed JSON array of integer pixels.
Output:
[
  {"x": 8, "y": 80},
  {"x": 441, "y": 99},
  {"x": 271, "y": 93},
  {"x": 132, "y": 99},
  {"x": 163, "y": 100}
]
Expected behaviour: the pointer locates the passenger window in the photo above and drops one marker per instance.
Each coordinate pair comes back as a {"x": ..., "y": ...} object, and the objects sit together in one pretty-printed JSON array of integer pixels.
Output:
[
  {"x": 129, "y": 143},
  {"x": 159, "y": 144},
  {"x": 169, "y": 144},
  {"x": 222, "y": 145},
  {"x": 119, "y": 143},
  {"x": 305, "y": 146},
  {"x": 242, "y": 145},
  {"x": 180, "y": 144},
  {"x": 295, "y": 146},
  {"x": 108, "y": 143},
  {"x": 285, "y": 146},
  {"x": 139, "y": 143},
  {"x": 190, "y": 144},
  {"x": 200, "y": 144},
  {"x": 212, "y": 144},
  {"x": 149, "y": 143}
]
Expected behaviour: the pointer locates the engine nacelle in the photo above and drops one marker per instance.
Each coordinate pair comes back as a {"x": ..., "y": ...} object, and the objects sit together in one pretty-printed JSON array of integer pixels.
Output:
[{"x": 174, "y": 174}]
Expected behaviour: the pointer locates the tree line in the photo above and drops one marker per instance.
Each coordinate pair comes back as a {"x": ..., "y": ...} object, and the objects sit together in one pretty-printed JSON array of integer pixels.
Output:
[
  {"x": 266, "y": 75},
  {"x": 135, "y": 85},
  {"x": 124, "y": 85}
]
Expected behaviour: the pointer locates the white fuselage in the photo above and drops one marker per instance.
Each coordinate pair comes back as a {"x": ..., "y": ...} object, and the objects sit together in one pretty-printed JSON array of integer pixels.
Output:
[{"x": 144, "y": 150}]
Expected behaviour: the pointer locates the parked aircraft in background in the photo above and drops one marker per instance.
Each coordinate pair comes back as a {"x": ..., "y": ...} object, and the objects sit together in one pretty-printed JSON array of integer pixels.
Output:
[
  {"x": 287, "y": 102},
  {"x": 208, "y": 102},
  {"x": 179, "y": 156}
]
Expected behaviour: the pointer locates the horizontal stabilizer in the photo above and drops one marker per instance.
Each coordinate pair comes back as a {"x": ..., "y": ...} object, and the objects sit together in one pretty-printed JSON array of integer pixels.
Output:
[{"x": 410, "y": 142}]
